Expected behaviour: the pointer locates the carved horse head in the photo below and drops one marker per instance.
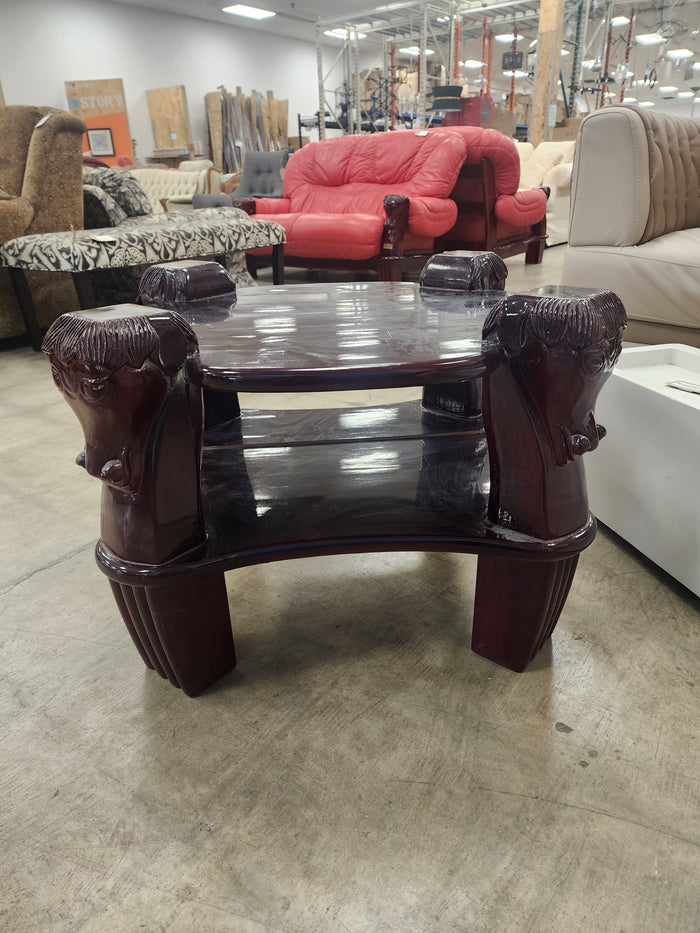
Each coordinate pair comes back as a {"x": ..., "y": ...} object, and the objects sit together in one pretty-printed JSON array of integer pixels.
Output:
[
  {"x": 123, "y": 372},
  {"x": 547, "y": 359},
  {"x": 561, "y": 349},
  {"x": 116, "y": 370}
]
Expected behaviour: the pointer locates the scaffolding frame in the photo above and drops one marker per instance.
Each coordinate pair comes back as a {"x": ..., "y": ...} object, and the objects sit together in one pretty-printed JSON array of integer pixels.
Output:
[
  {"x": 446, "y": 24},
  {"x": 443, "y": 23}
]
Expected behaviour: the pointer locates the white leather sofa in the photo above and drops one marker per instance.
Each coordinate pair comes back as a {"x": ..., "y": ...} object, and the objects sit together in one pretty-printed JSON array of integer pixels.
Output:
[
  {"x": 550, "y": 164},
  {"x": 173, "y": 189},
  {"x": 635, "y": 219}
]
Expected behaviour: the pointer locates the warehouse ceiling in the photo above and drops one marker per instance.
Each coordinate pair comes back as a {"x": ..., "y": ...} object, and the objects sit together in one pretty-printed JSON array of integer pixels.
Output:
[{"x": 403, "y": 21}]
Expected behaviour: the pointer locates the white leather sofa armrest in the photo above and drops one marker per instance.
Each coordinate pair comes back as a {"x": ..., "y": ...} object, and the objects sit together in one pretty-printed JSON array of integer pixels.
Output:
[{"x": 610, "y": 195}]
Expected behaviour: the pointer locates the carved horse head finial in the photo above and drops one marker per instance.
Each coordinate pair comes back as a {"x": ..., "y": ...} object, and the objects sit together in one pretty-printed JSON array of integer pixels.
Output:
[
  {"x": 116, "y": 368},
  {"x": 561, "y": 350}
]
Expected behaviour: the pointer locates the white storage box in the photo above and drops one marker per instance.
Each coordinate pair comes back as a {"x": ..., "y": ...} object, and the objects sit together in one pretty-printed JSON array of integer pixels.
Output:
[{"x": 643, "y": 478}]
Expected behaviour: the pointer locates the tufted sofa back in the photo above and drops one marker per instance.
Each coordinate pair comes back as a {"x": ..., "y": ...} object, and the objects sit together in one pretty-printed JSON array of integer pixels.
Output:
[
  {"x": 674, "y": 173},
  {"x": 352, "y": 174},
  {"x": 169, "y": 183}
]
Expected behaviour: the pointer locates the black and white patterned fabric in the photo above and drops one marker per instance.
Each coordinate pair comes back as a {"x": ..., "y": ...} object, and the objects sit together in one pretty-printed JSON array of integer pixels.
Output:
[
  {"x": 142, "y": 241},
  {"x": 122, "y": 187},
  {"x": 100, "y": 209}
]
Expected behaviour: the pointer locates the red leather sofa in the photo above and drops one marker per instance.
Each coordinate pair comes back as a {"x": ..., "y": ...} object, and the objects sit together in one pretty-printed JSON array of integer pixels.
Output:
[
  {"x": 366, "y": 201},
  {"x": 492, "y": 214},
  {"x": 372, "y": 201}
]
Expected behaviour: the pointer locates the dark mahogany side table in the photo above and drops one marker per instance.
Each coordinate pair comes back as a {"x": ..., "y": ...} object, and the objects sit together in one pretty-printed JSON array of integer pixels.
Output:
[{"x": 185, "y": 500}]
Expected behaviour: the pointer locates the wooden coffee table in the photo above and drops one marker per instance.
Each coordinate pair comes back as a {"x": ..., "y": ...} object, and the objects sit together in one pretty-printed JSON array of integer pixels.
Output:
[{"x": 185, "y": 502}]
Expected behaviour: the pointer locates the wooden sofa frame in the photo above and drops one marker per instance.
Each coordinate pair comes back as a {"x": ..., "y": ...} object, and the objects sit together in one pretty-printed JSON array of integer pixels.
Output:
[{"x": 531, "y": 243}]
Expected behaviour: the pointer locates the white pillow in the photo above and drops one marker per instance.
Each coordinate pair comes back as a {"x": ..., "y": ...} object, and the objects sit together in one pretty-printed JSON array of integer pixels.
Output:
[
  {"x": 559, "y": 176},
  {"x": 532, "y": 171}
]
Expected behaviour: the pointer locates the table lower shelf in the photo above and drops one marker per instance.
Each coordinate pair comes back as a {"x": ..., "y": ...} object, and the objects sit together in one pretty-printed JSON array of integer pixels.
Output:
[{"x": 351, "y": 489}]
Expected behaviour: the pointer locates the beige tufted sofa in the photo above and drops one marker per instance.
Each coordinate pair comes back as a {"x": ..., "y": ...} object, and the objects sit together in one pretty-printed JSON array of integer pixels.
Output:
[
  {"x": 177, "y": 187},
  {"x": 635, "y": 219},
  {"x": 549, "y": 165}
]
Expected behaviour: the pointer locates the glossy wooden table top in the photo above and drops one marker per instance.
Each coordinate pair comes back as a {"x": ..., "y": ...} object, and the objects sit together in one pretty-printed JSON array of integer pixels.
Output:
[{"x": 340, "y": 336}]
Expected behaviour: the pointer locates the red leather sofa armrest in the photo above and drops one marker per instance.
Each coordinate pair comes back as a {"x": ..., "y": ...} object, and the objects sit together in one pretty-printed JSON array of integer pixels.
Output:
[
  {"x": 263, "y": 205},
  {"x": 244, "y": 204},
  {"x": 523, "y": 208},
  {"x": 273, "y": 205},
  {"x": 431, "y": 217}
]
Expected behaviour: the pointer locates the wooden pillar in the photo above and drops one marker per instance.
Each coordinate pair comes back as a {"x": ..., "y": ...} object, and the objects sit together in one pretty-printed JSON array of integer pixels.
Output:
[{"x": 549, "y": 39}]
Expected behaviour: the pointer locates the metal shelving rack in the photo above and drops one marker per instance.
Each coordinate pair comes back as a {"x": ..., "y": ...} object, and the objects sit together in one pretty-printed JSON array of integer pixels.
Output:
[
  {"x": 439, "y": 23},
  {"x": 443, "y": 24}
]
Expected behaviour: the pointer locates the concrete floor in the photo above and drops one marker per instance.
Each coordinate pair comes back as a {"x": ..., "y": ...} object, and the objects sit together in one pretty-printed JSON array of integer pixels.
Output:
[{"x": 361, "y": 770}]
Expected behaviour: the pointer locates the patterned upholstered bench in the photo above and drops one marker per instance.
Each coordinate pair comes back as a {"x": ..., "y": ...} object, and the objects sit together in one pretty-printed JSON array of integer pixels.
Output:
[{"x": 139, "y": 241}]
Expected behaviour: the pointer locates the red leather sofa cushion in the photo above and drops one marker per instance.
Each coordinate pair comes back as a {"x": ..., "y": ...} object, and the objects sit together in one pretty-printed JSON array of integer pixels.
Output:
[{"x": 328, "y": 236}]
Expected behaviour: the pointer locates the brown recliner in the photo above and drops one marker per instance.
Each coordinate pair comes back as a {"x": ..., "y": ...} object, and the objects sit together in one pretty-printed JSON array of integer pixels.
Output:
[{"x": 41, "y": 191}]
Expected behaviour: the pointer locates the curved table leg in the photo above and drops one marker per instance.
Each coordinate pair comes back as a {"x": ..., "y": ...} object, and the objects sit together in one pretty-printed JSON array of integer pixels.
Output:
[
  {"x": 181, "y": 630},
  {"x": 517, "y": 606}
]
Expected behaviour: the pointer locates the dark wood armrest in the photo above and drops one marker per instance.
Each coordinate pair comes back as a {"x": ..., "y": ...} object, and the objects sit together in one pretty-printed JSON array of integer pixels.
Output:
[
  {"x": 395, "y": 225},
  {"x": 245, "y": 204}
]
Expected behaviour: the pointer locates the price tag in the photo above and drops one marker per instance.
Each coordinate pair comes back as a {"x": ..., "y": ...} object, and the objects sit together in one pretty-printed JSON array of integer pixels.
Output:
[{"x": 693, "y": 387}]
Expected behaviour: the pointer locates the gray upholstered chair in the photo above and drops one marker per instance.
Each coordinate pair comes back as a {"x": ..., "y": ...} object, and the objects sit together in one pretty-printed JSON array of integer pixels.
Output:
[
  {"x": 262, "y": 176},
  {"x": 212, "y": 200}
]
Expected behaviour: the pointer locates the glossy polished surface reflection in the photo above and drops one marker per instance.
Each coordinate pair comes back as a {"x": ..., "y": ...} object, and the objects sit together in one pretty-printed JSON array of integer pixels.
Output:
[{"x": 344, "y": 336}]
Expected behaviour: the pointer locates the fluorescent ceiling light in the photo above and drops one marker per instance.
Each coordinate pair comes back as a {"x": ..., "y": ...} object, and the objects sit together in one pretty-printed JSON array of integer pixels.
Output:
[
  {"x": 668, "y": 89},
  {"x": 515, "y": 74},
  {"x": 251, "y": 12},
  {"x": 646, "y": 103},
  {"x": 679, "y": 53},
  {"x": 508, "y": 37},
  {"x": 589, "y": 63},
  {"x": 696, "y": 66},
  {"x": 619, "y": 20},
  {"x": 649, "y": 38},
  {"x": 685, "y": 94},
  {"x": 564, "y": 52},
  {"x": 630, "y": 100},
  {"x": 414, "y": 50},
  {"x": 472, "y": 63},
  {"x": 344, "y": 34}
]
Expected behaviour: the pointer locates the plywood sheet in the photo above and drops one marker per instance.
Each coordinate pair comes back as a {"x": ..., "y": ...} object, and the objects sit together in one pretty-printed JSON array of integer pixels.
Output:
[
  {"x": 247, "y": 124},
  {"x": 170, "y": 117},
  {"x": 215, "y": 123}
]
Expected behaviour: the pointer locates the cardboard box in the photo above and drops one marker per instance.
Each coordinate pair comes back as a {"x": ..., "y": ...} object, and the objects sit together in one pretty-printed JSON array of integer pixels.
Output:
[
  {"x": 567, "y": 130},
  {"x": 504, "y": 120}
]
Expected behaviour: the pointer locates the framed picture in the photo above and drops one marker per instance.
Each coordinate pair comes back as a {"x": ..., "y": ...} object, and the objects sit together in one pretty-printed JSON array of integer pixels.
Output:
[{"x": 100, "y": 142}]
